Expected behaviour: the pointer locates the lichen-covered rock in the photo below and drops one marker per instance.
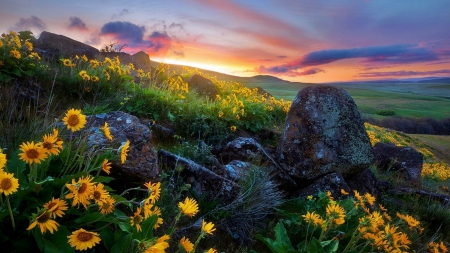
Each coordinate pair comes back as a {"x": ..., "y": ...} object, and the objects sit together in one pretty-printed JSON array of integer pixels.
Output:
[
  {"x": 141, "y": 165},
  {"x": 405, "y": 161},
  {"x": 141, "y": 60},
  {"x": 54, "y": 46},
  {"x": 203, "y": 86},
  {"x": 203, "y": 181},
  {"x": 324, "y": 133}
]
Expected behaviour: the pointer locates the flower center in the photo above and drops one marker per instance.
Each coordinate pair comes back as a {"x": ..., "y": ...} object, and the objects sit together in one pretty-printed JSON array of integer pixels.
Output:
[
  {"x": 73, "y": 120},
  {"x": 51, "y": 205},
  {"x": 82, "y": 188},
  {"x": 138, "y": 219},
  {"x": 48, "y": 145},
  {"x": 6, "y": 184},
  {"x": 32, "y": 153},
  {"x": 84, "y": 237},
  {"x": 43, "y": 218},
  {"x": 97, "y": 195}
]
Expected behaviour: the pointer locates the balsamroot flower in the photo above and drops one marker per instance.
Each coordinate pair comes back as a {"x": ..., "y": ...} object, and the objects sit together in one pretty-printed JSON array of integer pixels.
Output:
[
  {"x": 208, "y": 227},
  {"x": 106, "y": 131},
  {"x": 8, "y": 183},
  {"x": 83, "y": 240},
  {"x": 106, "y": 166},
  {"x": 56, "y": 207},
  {"x": 43, "y": 219},
  {"x": 32, "y": 153},
  {"x": 74, "y": 120},
  {"x": 81, "y": 191},
  {"x": 2, "y": 159},
  {"x": 189, "y": 207},
  {"x": 124, "y": 151},
  {"x": 336, "y": 214},
  {"x": 187, "y": 245},
  {"x": 137, "y": 219}
]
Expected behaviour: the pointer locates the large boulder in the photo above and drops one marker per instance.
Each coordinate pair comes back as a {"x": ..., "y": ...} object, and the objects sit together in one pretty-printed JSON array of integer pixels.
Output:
[
  {"x": 141, "y": 165},
  {"x": 404, "y": 161},
  {"x": 367, "y": 182},
  {"x": 141, "y": 60},
  {"x": 203, "y": 86},
  {"x": 324, "y": 133},
  {"x": 333, "y": 182},
  {"x": 54, "y": 46}
]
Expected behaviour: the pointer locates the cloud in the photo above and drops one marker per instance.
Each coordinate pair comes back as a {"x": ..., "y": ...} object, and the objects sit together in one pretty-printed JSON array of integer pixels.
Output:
[
  {"x": 77, "y": 24},
  {"x": 404, "y": 73},
  {"x": 157, "y": 43},
  {"x": 393, "y": 54},
  {"x": 122, "y": 13},
  {"x": 30, "y": 23},
  {"x": 124, "y": 32},
  {"x": 287, "y": 72}
]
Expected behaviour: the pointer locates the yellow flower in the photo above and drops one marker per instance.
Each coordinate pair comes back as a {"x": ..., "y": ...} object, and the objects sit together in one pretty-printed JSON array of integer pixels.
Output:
[
  {"x": 211, "y": 250},
  {"x": 52, "y": 143},
  {"x": 329, "y": 195},
  {"x": 56, "y": 207},
  {"x": 85, "y": 75},
  {"x": 208, "y": 227},
  {"x": 159, "y": 246},
  {"x": 189, "y": 207},
  {"x": 343, "y": 192},
  {"x": 137, "y": 219},
  {"x": 108, "y": 77},
  {"x": 155, "y": 191},
  {"x": 106, "y": 131},
  {"x": 32, "y": 153},
  {"x": 15, "y": 53},
  {"x": 370, "y": 199},
  {"x": 45, "y": 222},
  {"x": 80, "y": 191},
  {"x": 68, "y": 63},
  {"x": 106, "y": 166},
  {"x": 336, "y": 214},
  {"x": 186, "y": 244},
  {"x": 74, "y": 120},
  {"x": 2, "y": 159},
  {"x": 382, "y": 208},
  {"x": 220, "y": 114},
  {"x": 8, "y": 183},
  {"x": 83, "y": 240},
  {"x": 85, "y": 58},
  {"x": 99, "y": 194},
  {"x": 29, "y": 45},
  {"x": 313, "y": 218},
  {"x": 107, "y": 206},
  {"x": 233, "y": 128},
  {"x": 1, "y": 43},
  {"x": 409, "y": 219},
  {"x": 95, "y": 79},
  {"x": 124, "y": 151}
]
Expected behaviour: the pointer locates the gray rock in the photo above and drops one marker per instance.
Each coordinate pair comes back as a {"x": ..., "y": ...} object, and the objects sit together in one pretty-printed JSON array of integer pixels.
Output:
[
  {"x": 324, "y": 133},
  {"x": 404, "y": 161}
]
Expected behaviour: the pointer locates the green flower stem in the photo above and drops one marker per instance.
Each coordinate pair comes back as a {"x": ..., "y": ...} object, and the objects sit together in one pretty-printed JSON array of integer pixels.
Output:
[
  {"x": 1, "y": 200},
  {"x": 202, "y": 234},
  {"x": 10, "y": 213},
  {"x": 177, "y": 218},
  {"x": 69, "y": 147}
]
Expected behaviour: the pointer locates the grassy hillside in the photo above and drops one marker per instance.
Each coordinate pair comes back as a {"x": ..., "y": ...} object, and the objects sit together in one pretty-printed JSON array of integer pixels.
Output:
[{"x": 55, "y": 186}]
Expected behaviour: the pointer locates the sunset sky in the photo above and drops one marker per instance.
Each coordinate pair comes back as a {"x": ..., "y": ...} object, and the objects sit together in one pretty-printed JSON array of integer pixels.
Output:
[{"x": 297, "y": 40}]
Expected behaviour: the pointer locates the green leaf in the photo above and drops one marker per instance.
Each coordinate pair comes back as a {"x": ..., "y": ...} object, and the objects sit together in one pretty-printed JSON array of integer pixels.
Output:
[
  {"x": 147, "y": 227},
  {"x": 107, "y": 237},
  {"x": 315, "y": 246},
  {"x": 330, "y": 245},
  {"x": 103, "y": 179},
  {"x": 97, "y": 216},
  {"x": 281, "y": 236}
]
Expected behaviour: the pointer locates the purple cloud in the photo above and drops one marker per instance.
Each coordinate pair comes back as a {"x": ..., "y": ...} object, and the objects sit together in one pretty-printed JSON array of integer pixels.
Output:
[
  {"x": 124, "y": 32},
  {"x": 77, "y": 24},
  {"x": 393, "y": 54},
  {"x": 404, "y": 73},
  {"x": 157, "y": 43},
  {"x": 29, "y": 24}
]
